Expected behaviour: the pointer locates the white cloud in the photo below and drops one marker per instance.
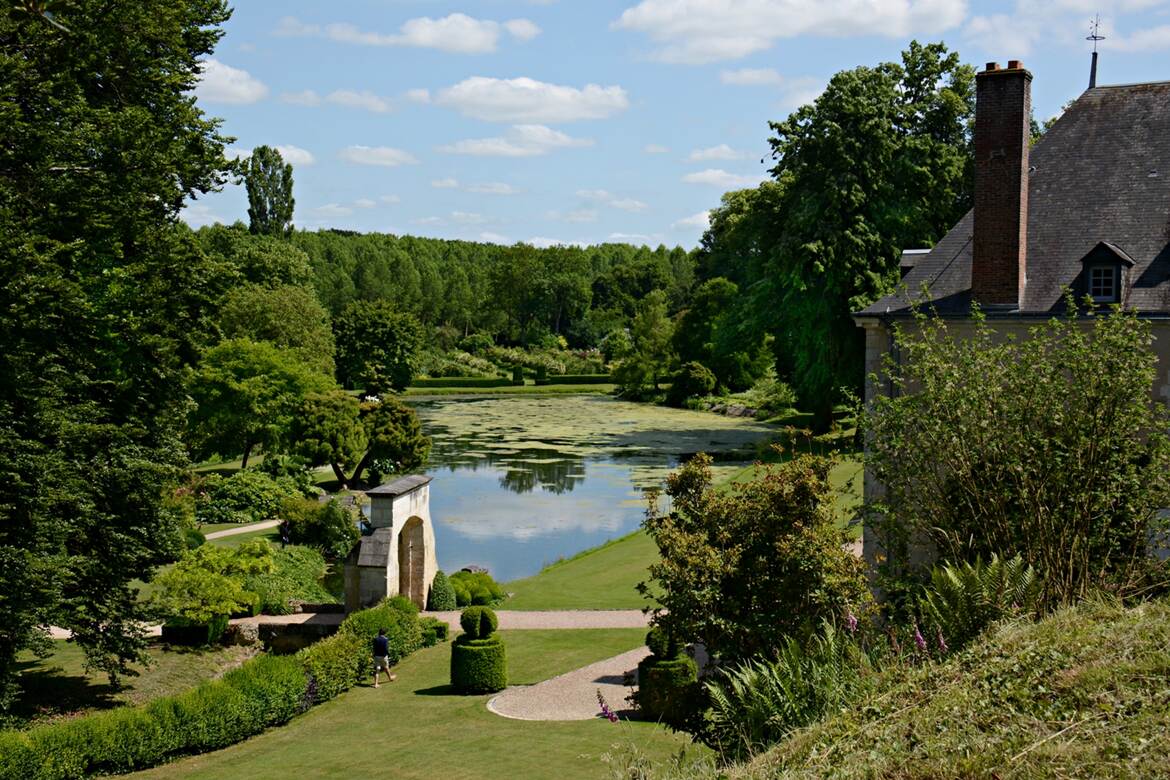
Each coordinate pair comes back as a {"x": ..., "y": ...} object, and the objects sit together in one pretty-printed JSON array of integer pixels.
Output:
[
  {"x": 445, "y": 184},
  {"x": 801, "y": 90},
  {"x": 333, "y": 210},
  {"x": 1149, "y": 39},
  {"x": 384, "y": 156},
  {"x": 236, "y": 153},
  {"x": 721, "y": 178},
  {"x": 528, "y": 100},
  {"x": 429, "y": 221},
  {"x": 520, "y": 141},
  {"x": 198, "y": 214},
  {"x": 752, "y": 77},
  {"x": 541, "y": 242},
  {"x": 720, "y": 152},
  {"x": 467, "y": 218},
  {"x": 365, "y": 100},
  {"x": 581, "y": 215},
  {"x": 655, "y": 149},
  {"x": 365, "y": 203},
  {"x": 492, "y": 188},
  {"x": 698, "y": 31},
  {"x": 493, "y": 238},
  {"x": 295, "y": 154},
  {"x": 609, "y": 199},
  {"x": 630, "y": 238},
  {"x": 456, "y": 33},
  {"x": 292, "y": 27},
  {"x": 219, "y": 83},
  {"x": 305, "y": 98},
  {"x": 419, "y": 95},
  {"x": 702, "y": 220}
]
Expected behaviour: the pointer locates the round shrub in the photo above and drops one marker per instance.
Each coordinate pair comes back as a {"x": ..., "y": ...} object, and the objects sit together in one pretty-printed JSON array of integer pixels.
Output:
[
  {"x": 692, "y": 380},
  {"x": 478, "y": 622},
  {"x": 661, "y": 644},
  {"x": 665, "y": 688},
  {"x": 478, "y": 665},
  {"x": 193, "y": 538},
  {"x": 247, "y": 496},
  {"x": 442, "y": 596}
]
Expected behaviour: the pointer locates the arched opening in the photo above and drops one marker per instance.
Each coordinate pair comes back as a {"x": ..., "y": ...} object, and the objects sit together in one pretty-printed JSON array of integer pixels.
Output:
[{"x": 411, "y": 559}]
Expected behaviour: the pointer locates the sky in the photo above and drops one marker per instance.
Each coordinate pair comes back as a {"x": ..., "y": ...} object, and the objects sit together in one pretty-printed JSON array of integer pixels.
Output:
[{"x": 585, "y": 121}]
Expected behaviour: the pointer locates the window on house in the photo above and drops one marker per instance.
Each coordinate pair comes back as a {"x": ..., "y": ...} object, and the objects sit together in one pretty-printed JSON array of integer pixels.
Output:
[{"x": 1103, "y": 283}]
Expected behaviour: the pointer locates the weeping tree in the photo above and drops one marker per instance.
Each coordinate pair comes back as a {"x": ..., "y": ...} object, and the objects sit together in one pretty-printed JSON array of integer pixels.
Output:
[{"x": 269, "y": 181}]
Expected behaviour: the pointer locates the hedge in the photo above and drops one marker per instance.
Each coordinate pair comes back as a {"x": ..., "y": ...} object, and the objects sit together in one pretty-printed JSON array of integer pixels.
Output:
[
  {"x": 478, "y": 665},
  {"x": 442, "y": 595},
  {"x": 433, "y": 631},
  {"x": 266, "y": 691},
  {"x": 462, "y": 381},
  {"x": 665, "y": 686},
  {"x": 576, "y": 379}
]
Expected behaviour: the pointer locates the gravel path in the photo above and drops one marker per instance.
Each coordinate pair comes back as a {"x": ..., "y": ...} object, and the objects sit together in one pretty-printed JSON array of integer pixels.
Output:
[
  {"x": 573, "y": 695},
  {"x": 243, "y": 529},
  {"x": 574, "y": 618}
]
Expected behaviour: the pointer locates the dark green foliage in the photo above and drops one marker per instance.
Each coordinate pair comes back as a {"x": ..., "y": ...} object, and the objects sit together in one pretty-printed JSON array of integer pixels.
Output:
[
  {"x": 266, "y": 691},
  {"x": 377, "y": 347},
  {"x": 517, "y": 375},
  {"x": 399, "y": 618},
  {"x": 662, "y": 644},
  {"x": 759, "y": 702},
  {"x": 396, "y": 442},
  {"x": 329, "y": 528},
  {"x": 475, "y": 588},
  {"x": 666, "y": 688},
  {"x": 105, "y": 302},
  {"x": 269, "y": 182},
  {"x": 183, "y": 632},
  {"x": 442, "y": 595},
  {"x": 462, "y": 381},
  {"x": 295, "y": 576},
  {"x": 962, "y": 601},
  {"x": 576, "y": 379},
  {"x": 433, "y": 631},
  {"x": 286, "y": 316},
  {"x": 639, "y": 370},
  {"x": 478, "y": 665},
  {"x": 1046, "y": 447},
  {"x": 746, "y": 568},
  {"x": 248, "y": 496},
  {"x": 193, "y": 538},
  {"x": 693, "y": 380},
  {"x": 478, "y": 622}
]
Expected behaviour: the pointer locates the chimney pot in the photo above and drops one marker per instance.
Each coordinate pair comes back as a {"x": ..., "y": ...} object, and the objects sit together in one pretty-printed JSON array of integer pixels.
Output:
[
  {"x": 1015, "y": 65},
  {"x": 992, "y": 66}
]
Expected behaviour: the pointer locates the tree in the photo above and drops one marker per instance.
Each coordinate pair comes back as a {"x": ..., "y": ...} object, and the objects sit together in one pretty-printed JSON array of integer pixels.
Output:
[
  {"x": 269, "y": 182},
  {"x": 743, "y": 570},
  {"x": 1046, "y": 447},
  {"x": 711, "y": 331},
  {"x": 246, "y": 393},
  {"x": 650, "y": 334},
  {"x": 208, "y": 583},
  {"x": 328, "y": 430},
  {"x": 397, "y": 443},
  {"x": 376, "y": 346},
  {"x": 105, "y": 302},
  {"x": 287, "y": 316}
]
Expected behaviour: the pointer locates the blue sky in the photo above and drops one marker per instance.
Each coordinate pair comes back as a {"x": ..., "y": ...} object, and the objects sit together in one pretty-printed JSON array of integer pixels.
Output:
[{"x": 581, "y": 121}]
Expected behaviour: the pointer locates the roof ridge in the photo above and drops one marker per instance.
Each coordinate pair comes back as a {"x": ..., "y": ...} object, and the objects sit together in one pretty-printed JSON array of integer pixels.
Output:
[{"x": 1129, "y": 84}]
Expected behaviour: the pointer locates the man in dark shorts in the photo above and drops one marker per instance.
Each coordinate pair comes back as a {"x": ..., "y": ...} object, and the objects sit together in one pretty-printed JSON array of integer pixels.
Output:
[{"x": 382, "y": 657}]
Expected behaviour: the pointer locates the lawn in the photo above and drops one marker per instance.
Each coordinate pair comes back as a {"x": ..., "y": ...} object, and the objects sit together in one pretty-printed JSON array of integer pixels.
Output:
[
  {"x": 58, "y": 685},
  {"x": 415, "y": 728}
]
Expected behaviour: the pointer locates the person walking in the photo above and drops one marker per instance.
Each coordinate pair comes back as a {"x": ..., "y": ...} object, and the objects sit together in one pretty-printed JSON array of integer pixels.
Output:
[{"x": 382, "y": 657}]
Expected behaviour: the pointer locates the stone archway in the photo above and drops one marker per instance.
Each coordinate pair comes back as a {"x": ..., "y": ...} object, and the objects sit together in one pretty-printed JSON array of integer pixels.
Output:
[{"x": 412, "y": 556}]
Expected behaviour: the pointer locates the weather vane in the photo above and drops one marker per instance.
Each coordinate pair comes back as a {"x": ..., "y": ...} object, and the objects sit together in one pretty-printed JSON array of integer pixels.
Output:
[{"x": 1094, "y": 36}]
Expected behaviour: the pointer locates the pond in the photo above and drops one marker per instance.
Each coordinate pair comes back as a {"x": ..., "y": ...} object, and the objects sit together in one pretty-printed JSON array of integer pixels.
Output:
[{"x": 520, "y": 482}]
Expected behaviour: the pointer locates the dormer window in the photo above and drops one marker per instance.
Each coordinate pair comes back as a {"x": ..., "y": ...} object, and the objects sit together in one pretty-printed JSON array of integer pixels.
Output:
[
  {"x": 1104, "y": 273},
  {"x": 1103, "y": 283}
]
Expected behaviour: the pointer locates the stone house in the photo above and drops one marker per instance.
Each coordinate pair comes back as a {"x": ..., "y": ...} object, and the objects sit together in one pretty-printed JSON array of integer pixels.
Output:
[{"x": 1087, "y": 208}]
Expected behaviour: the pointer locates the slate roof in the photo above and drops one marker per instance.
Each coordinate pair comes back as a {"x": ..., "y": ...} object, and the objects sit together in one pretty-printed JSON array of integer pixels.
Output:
[
  {"x": 374, "y": 550},
  {"x": 1100, "y": 174},
  {"x": 400, "y": 486}
]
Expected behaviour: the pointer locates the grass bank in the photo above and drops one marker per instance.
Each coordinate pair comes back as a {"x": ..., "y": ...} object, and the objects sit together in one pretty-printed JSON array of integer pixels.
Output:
[
  {"x": 438, "y": 392},
  {"x": 416, "y": 728},
  {"x": 59, "y": 686},
  {"x": 1083, "y": 693}
]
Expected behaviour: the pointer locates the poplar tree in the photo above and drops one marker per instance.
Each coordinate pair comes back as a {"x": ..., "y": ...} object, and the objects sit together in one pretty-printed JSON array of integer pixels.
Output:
[{"x": 269, "y": 182}]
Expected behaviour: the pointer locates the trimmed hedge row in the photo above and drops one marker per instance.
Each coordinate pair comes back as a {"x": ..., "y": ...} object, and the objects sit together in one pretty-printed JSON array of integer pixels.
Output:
[
  {"x": 264, "y": 692},
  {"x": 575, "y": 379},
  {"x": 462, "y": 381}
]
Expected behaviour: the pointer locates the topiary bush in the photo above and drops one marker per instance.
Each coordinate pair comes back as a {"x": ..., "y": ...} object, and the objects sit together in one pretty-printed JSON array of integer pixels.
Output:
[
  {"x": 478, "y": 659},
  {"x": 476, "y": 588},
  {"x": 442, "y": 596},
  {"x": 693, "y": 379},
  {"x": 666, "y": 688},
  {"x": 433, "y": 631}
]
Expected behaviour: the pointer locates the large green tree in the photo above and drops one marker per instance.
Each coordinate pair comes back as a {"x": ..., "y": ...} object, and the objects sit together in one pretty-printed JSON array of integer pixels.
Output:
[
  {"x": 104, "y": 299},
  {"x": 269, "y": 181},
  {"x": 286, "y": 316},
  {"x": 246, "y": 394},
  {"x": 376, "y": 346}
]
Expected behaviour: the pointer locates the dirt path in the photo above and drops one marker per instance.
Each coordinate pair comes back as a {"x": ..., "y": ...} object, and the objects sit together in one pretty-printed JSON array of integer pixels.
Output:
[
  {"x": 573, "y": 695},
  {"x": 243, "y": 529}
]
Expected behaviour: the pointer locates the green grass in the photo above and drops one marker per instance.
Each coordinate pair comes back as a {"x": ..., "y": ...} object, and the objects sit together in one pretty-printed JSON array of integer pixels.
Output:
[
  {"x": 511, "y": 390},
  {"x": 59, "y": 686},
  {"x": 235, "y": 540},
  {"x": 600, "y": 578},
  {"x": 1081, "y": 694},
  {"x": 415, "y": 728}
]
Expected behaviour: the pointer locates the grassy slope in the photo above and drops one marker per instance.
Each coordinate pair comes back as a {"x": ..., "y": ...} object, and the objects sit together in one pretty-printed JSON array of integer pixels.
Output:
[
  {"x": 61, "y": 686},
  {"x": 1084, "y": 693},
  {"x": 416, "y": 729}
]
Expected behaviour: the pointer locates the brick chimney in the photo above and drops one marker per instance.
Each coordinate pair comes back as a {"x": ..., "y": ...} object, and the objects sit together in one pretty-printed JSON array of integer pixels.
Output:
[{"x": 1003, "y": 110}]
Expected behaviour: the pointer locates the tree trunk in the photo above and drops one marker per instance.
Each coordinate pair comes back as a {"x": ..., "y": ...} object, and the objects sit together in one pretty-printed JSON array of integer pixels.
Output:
[
  {"x": 337, "y": 472},
  {"x": 361, "y": 467},
  {"x": 247, "y": 452}
]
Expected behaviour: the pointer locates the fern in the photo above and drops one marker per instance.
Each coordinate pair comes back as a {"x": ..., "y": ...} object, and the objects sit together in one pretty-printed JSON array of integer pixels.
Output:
[{"x": 963, "y": 600}]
